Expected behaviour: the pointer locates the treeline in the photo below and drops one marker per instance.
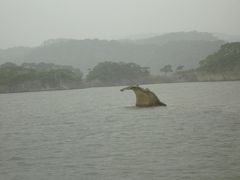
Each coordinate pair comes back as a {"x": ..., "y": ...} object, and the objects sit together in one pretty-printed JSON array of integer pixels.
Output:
[
  {"x": 223, "y": 65},
  {"x": 47, "y": 76},
  {"x": 116, "y": 73},
  {"x": 37, "y": 77}
]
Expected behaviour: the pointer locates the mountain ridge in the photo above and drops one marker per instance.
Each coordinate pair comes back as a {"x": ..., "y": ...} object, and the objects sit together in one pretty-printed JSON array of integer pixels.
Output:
[{"x": 181, "y": 48}]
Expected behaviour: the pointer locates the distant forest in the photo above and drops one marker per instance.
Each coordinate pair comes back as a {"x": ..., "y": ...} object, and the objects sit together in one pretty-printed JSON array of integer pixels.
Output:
[
  {"x": 37, "y": 77},
  {"x": 48, "y": 76},
  {"x": 179, "y": 48},
  {"x": 220, "y": 65}
]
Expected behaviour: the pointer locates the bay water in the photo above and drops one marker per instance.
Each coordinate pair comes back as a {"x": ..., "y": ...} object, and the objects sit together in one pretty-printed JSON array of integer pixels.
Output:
[{"x": 98, "y": 133}]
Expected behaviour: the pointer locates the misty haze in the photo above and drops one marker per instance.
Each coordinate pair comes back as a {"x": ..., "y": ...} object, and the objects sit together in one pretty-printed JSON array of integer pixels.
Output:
[{"x": 129, "y": 89}]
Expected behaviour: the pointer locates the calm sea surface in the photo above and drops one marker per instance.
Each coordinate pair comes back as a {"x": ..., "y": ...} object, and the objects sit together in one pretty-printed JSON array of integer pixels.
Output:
[{"x": 98, "y": 134}]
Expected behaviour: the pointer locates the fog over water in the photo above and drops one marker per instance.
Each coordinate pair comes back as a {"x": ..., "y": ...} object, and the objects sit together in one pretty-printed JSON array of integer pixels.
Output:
[{"x": 29, "y": 22}]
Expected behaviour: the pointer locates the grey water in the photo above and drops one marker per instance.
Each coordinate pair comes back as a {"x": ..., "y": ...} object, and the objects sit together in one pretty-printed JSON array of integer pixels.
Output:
[{"x": 97, "y": 133}]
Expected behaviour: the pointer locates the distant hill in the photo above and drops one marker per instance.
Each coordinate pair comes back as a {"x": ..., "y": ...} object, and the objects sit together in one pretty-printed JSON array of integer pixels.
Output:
[
  {"x": 178, "y": 37},
  {"x": 227, "y": 37},
  {"x": 223, "y": 65},
  {"x": 181, "y": 48},
  {"x": 13, "y": 54}
]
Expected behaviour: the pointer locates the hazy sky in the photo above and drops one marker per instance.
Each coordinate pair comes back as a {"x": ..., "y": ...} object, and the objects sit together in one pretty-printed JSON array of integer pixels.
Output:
[{"x": 29, "y": 22}]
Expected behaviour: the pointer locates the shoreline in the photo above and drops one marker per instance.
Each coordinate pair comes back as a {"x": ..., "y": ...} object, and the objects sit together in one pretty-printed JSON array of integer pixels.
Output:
[{"x": 86, "y": 87}]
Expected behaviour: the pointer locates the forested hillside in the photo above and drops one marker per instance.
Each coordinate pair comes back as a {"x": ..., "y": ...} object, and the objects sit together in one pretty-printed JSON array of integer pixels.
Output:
[
  {"x": 182, "y": 48},
  {"x": 222, "y": 65}
]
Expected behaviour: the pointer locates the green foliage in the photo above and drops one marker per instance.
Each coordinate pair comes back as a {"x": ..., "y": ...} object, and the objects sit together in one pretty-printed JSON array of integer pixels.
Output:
[
  {"x": 40, "y": 75},
  {"x": 180, "y": 68},
  {"x": 112, "y": 72},
  {"x": 167, "y": 69},
  {"x": 226, "y": 60},
  {"x": 12, "y": 74}
]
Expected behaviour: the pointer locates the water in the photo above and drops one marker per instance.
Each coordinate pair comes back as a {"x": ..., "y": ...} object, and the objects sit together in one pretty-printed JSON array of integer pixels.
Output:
[{"x": 96, "y": 133}]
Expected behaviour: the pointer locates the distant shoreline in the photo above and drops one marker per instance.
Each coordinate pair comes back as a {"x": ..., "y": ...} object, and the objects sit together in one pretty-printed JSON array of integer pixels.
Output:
[{"x": 87, "y": 87}]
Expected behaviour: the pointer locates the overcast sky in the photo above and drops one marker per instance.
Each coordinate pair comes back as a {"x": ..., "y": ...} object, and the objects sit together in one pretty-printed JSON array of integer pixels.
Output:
[{"x": 29, "y": 22}]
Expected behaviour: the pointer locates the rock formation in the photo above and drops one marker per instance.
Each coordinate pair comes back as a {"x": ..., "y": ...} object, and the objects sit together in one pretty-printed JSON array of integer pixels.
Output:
[{"x": 144, "y": 97}]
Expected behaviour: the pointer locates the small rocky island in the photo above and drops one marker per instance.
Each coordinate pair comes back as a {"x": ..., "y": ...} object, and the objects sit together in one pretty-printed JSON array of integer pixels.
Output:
[{"x": 144, "y": 97}]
